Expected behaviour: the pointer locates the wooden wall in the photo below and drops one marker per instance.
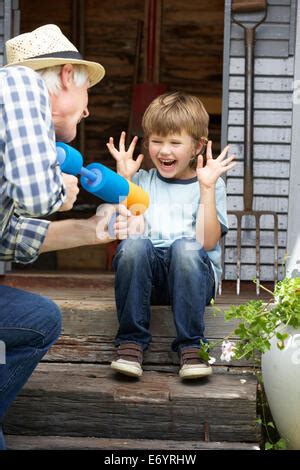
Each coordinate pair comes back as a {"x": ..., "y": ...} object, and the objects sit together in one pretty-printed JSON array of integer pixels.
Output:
[
  {"x": 274, "y": 75},
  {"x": 191, "y": 60},
  {"x": 191, "y": 57}
]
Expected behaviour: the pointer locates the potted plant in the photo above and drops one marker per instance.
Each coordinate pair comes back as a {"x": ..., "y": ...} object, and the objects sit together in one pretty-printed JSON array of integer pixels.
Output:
[{"x": 271, "y": 330}]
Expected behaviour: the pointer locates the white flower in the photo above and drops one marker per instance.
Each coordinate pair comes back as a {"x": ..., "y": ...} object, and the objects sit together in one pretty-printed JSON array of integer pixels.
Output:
[{"x": 228, "y": 348}]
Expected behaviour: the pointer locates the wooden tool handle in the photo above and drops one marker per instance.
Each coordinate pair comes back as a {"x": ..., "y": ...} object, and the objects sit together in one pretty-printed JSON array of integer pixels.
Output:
[{"x": 248, "y": 6}]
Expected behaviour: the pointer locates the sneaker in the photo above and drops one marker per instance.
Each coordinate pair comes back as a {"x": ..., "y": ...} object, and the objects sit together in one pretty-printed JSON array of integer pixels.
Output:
[
  {"x": 129, "y": 358},
  {"x": 191, "y": 365}
]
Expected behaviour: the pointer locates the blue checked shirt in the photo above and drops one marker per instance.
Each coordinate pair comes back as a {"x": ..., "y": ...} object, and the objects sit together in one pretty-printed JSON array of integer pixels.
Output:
[{"x": 30, "y": 180}]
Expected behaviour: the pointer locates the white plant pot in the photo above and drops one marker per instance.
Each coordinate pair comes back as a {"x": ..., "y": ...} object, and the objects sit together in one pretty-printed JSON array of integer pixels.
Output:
[{"x": 281, "y": 377}]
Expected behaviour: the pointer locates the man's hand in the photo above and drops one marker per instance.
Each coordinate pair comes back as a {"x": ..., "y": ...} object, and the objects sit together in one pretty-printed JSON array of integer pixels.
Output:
[
  {"x": 125, "y": 225},
  {"x": 72, "y": 190},
  {"x": 129, "y": 226},
  {"x": 63, "y": 234}
]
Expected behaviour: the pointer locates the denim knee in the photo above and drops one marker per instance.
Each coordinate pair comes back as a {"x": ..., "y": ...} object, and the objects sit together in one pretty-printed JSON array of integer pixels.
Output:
[
  {"x": 187, "y": 252},
  {"x": 52, "y": 321},
  {"x": 132, "y": 251}
]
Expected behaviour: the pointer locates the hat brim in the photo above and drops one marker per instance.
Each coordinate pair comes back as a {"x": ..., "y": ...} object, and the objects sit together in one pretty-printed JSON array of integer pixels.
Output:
[{"x": 95, "y": 71}]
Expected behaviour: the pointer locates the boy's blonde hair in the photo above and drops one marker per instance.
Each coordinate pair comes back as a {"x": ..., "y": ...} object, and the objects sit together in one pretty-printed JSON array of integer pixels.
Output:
[{"x": 173, "y": 113}]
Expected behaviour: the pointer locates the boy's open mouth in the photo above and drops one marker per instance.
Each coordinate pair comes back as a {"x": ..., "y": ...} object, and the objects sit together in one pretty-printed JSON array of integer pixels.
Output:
[{"x": 167, "y": 163}]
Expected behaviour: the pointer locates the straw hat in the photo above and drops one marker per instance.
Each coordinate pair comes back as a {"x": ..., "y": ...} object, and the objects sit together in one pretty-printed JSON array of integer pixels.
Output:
[{"x": 46, "y": 47}]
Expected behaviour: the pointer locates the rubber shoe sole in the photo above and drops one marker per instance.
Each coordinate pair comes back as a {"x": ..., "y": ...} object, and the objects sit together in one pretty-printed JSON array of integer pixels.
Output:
[
  {"x": 130, "y": 368},
  {"x": 194, "y": 371}
]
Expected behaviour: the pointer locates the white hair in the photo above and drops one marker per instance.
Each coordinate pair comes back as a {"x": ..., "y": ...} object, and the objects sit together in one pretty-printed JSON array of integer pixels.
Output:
[{"x": 51, "y": 76}]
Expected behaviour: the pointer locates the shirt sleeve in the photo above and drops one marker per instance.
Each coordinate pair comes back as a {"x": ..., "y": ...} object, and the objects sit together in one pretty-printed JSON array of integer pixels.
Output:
[
  {"x": 32, "y": 176},
  {"x": 22, "y": 239},
  {"x": 221, "y": 206}
]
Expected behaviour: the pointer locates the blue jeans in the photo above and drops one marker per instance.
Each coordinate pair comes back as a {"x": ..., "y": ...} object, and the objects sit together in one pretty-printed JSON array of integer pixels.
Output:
[
  {"x": 180, "y": 275},
  {"x": 29, "y": 325}
]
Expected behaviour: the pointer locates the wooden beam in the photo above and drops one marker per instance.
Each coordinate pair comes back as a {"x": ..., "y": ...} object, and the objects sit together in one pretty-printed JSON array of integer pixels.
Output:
[{"x": 293, "y": 234}]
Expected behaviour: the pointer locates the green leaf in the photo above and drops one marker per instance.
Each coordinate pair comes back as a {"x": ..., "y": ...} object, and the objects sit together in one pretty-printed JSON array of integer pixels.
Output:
[
  {"x": 268, "y": 446},
  {"x": 281, "y": 444},
  {"x": 204, "y": 355},
  {"x": 271, "y": 424}
]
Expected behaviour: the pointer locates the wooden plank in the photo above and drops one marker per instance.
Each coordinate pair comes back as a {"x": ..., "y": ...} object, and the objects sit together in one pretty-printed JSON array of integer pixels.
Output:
[
  {"x": 91, "y": 400},
  {"x": 237, "y": 83},
  {"x": 262, "y": 100},
  {"x": 265, "y": 66},
  {"x": 263, "y": 48},
  {"x": 275, "y": 14},
  {"x": 279, "y": 2},
  {"x": 92, "y": 443},
  {"x": 249, "y": 254},
  {"x": 279, "y": 135},
  {"x": 261, "y": 187},
  {"x": 293, "y": 26},
  {"x": 99, "y": 318},
  {"x": 100, "y": 350},
  {"x": 226, "y": 65},
  {"x": 248, "y": 238},
  {"x": 279, "y": 205},
  {"x": 268, "y": 31},
  {"x": 81, "y": 257},
  {"x": 273, "y": 100},
  {"x": 263, "y": 169},
  {"x": 190, "y": 12},
  {"x": 248, "y": 272},
  {"x": 262, "y": 118},
  {"x": 267, "y": 222},
  {"x": 293, "y": 241},
  {"x": 273, "y": 152}
]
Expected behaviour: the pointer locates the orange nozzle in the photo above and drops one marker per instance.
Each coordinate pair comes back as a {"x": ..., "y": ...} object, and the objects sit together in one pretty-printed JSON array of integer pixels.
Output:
[{"x": 137, "y": 200}]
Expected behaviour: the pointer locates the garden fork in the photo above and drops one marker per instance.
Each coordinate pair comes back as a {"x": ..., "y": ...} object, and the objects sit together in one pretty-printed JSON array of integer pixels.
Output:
[{"x": 239, "y": 9}]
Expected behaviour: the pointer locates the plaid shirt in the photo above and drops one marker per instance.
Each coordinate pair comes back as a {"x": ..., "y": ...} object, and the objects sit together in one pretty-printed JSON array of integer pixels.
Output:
[{"x": 30, "y": 180}]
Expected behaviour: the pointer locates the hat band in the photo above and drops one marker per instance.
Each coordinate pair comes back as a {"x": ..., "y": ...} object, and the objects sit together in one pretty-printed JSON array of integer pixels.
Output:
[{"x": 59, "y": 55}]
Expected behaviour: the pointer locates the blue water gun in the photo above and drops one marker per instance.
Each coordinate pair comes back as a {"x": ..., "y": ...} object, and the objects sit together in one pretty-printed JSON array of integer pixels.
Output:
[{"x": 101, "y": 181}]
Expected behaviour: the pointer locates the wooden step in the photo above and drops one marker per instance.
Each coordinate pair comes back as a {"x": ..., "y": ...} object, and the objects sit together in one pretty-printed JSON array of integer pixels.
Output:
[
  {"x": 90, "y": 320},
  {"x": 89, "y": 329},
  {"x": 94, "y": 443},
  {"x": 93, "y": 401}
]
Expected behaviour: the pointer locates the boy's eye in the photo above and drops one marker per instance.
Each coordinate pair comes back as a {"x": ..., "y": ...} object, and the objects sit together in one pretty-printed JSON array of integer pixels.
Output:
[
  {"x": 155, "y": 141},
  {"x": 175, "y": 143}
]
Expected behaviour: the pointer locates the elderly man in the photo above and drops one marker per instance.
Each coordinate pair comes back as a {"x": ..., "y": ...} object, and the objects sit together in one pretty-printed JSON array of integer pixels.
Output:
[{"x": 43, "y": 96}]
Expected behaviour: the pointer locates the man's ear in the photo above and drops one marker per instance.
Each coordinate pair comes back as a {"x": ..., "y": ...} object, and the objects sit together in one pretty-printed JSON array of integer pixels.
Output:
[{"x": 66, "y": 75}]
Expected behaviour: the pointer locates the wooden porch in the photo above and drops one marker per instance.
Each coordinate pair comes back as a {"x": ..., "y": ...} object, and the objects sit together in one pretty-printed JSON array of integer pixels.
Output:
[{"x": 75, "y": 401}]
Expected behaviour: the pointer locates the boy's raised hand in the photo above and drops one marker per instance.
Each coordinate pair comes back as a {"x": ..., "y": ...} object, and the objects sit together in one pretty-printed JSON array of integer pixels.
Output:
[
  {"x": 126, "y": 166},
  {"x": 214, "y": 168}
]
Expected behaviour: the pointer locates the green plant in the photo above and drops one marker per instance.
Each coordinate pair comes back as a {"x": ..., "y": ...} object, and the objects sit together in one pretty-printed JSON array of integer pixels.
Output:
[{"x": 259, "y": 322}]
